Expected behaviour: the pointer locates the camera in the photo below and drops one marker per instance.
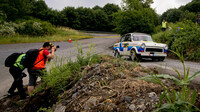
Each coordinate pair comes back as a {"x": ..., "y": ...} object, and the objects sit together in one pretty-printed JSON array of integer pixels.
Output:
[{"x": 57, "y": 46}]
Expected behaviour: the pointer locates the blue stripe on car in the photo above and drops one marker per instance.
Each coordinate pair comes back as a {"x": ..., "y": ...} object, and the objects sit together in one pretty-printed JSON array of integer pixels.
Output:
[
  {"x": 129, "y": 48},
  {"x": 139, "y": 48},
  {"x": 121, "y": 47},
  {"x": 115, "y": 48}
]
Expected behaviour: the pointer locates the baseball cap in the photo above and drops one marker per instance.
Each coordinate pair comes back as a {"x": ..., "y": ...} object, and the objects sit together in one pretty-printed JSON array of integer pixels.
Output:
[{"x": 48, "y": 44}]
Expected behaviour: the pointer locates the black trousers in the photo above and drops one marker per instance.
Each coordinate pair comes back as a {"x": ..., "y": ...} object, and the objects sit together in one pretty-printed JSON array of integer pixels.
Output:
[{"x": 18, "y": 82}]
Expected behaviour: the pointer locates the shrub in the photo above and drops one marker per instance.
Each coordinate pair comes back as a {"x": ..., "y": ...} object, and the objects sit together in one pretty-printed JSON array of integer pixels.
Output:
[
  {"x": 7, "y": 29},
  {"x": 31, "y": 27},
  {"x": 37, "y": 28},
  {"x": 185, "y": 36}
]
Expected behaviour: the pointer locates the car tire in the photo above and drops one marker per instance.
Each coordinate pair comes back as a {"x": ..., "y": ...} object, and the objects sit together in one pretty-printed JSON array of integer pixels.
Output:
[
  {"x": 155, "y": 59},
  {"x": 134, "y": 56},
  {"x": 116, "y": 54},
  {"x": 162, "y": 59}
]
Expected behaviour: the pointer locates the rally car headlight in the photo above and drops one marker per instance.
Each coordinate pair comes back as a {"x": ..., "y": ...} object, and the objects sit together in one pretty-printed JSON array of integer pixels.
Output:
[
  {"x": 142, "y": 46},
  {"x": 166, "y": 47}
]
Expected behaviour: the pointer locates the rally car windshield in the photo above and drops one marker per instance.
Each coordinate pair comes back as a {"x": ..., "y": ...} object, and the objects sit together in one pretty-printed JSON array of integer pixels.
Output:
[{"x": 142, "y": 38}]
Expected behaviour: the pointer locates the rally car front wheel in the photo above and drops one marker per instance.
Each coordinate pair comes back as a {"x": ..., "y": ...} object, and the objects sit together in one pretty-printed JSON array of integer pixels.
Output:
[
  {"x": 116, "y": 54},
  {"x": 134, "y": 56}
]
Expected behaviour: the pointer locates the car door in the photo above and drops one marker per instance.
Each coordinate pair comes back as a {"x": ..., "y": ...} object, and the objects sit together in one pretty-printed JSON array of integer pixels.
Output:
[
  {"x": 121, "y": 48},
  {"x": 126, "y": 39}
]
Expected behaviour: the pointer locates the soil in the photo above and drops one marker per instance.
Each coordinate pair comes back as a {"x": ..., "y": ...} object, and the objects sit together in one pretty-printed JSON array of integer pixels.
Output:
[{"x": 112, "y": 85}]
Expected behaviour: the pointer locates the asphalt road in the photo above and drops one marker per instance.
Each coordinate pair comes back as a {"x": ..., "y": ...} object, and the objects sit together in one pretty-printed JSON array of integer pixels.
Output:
[{"x": 67, "y": 51}]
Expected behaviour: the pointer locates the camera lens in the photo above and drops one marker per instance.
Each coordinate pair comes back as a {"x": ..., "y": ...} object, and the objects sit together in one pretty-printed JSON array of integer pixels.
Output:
[{"x": 57, "y": 46}]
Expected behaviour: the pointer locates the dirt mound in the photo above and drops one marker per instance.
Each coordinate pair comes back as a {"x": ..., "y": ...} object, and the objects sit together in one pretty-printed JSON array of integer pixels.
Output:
[{"x": 111, "y": 87}]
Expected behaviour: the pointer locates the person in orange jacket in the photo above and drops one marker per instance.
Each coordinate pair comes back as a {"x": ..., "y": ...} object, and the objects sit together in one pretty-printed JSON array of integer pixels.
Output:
[{"x": 39, "y": 65}]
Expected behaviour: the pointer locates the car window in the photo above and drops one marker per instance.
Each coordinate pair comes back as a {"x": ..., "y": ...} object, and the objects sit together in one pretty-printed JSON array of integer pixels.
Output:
[
  {"x": 142, "y": 38},
  {"x": 122, "y": 38},
  {"x": 128, "y": 37}
]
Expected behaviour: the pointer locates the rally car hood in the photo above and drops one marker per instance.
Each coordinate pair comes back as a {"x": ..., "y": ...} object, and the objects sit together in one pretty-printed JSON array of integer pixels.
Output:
[{"x": 152, "y": 44}]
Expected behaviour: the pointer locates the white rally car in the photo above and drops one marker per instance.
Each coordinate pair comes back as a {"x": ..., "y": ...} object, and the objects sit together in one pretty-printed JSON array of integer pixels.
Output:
[{"x": 138, "y": 46}]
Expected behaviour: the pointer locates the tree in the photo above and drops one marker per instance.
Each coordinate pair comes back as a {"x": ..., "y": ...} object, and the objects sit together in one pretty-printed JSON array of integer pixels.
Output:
[
  {"x": 54, "y": 17},
  {"x": 111, "y": 8},
  {"x": 146, "y": 3},
  {"x": 135, "y": 18},
  {"x": 97, "y": 7},
  {"x": 131, "y": 5},
  {"x": 15, "y": 9},
  {"x": 71, "y": 15},
  {"x": 39, "y": 9},
  {"x": 86, "y": 18},
  {"x": 2, "y": 16},
  {"x": 136, "y": 4},
  {"x": 101, "y": 20},
  {"x": 193, "y": 6},
  {"x": 172, "y": 15}
]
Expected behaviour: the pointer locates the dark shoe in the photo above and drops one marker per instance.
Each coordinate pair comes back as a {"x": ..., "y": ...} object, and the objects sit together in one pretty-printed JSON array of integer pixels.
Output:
[
  {"x": 24, "y": 97},
  {"x": 12, "y": 93}
]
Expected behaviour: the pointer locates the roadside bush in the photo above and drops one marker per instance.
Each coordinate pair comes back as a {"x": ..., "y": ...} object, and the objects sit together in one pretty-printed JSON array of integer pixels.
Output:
[
  {"x": 31, "y": 27},
  {"x": 36, "y": 28},
  {"x": 184, "y": 36},
  {"x": 7, "y": 29}
]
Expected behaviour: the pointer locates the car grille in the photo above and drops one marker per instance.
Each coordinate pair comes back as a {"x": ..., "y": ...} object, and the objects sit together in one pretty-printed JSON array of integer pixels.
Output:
[{"x": 153, "y": 50}]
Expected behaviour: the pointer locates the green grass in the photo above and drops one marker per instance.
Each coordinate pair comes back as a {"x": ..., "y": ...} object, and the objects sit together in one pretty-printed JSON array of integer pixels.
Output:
[{"x": 62, "y": 34}]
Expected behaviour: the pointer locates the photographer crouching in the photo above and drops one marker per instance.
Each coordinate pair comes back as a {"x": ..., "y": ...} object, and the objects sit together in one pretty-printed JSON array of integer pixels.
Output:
[{"x": 38, "y": 70}]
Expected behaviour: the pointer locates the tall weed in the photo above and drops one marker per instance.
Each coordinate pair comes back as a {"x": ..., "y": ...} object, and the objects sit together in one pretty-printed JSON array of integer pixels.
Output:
[{"x": 176, "y": 101}]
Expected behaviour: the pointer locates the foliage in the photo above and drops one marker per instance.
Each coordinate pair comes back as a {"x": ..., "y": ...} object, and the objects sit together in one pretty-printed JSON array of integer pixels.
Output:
[
  {"x": 193, "y": 6},
  {"x": 187, "y": 12},
  {"x": 135, "y": 21},
  {"x": 96, "y": 7},
  {"x": 28, "y": 27},
  {"x": 3, "y": 16},
  {"x": 96, "y": 19},
  {"x": 71, "y": 15},
  {"x": 15, "y": 9},
  {"x": 172, "y": 15},
  {"x": 39, "y": 9},
  {"x": 185, "y": 36},
  {"x": 101, "y": 20},
  {"x": 177, "y": 101},
  {"x": 136, "y": 4},
  {"x": 110, "y": 8},
  {"x": 7, "y": 29},
  {"x": 188, "y": 16},
  {"x": 87, "y": 18}
]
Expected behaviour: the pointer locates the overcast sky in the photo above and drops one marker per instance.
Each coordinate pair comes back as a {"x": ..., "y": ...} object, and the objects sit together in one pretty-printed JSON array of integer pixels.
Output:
[{"x": 159, "y": 5}]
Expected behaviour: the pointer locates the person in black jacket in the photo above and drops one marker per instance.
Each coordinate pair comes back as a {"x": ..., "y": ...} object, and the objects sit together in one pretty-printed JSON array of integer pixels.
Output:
[{"x": 16, "y": 72}]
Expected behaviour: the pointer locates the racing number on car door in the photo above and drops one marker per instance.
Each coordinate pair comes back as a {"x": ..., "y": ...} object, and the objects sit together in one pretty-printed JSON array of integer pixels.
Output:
[{"x": 124, "y": 43}]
